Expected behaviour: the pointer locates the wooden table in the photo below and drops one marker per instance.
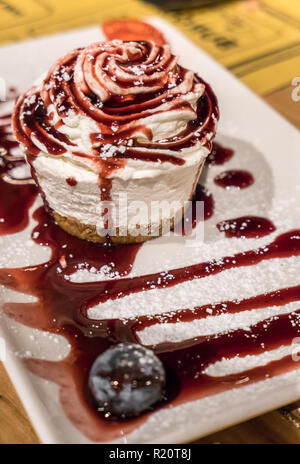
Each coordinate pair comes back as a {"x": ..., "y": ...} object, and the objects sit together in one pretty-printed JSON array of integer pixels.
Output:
[{"x": 282, "y": 426}]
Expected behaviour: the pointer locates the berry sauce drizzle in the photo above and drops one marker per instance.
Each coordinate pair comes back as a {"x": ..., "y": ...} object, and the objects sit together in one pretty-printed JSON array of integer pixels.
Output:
[
  {"x": 246, "y": 227},
  {"x": 200, "y": 194},
  {"x": 61, "y": 308},
  {"x": 219, "y": 155},
  {"x": 16, "y": 195},
  {"x": 234, "y": 178},
  {"x": 71, "y": 181}
]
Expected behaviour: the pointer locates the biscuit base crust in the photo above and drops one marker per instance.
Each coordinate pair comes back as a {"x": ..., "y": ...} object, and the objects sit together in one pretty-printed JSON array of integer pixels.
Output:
[{"x": 89, "y": 232}]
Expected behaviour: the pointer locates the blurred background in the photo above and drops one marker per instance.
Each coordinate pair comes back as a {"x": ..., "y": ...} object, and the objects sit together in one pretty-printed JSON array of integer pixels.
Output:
[{"x": 258, "y": 41}]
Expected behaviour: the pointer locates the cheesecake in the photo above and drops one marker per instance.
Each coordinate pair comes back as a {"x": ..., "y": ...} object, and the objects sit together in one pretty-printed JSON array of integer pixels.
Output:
[{"x": 116, "y": 135}]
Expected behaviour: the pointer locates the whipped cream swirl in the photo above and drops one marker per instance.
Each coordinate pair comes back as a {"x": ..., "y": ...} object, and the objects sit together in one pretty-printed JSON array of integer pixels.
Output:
[{"x": 116, "y": 100}]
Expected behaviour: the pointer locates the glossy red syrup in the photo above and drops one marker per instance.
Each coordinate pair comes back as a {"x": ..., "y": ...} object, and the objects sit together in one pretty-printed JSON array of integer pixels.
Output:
[
  {"x": 61, "y": 309},
  {"x": 246, "y": 227},
  {"x": 219, "y": 154},
  {"x": 234, "y": 178},
  {"x": 131, "y": 328},
  {"x": 71, "y": 181},
  {"x": 283, "y": 246},
  {"x": 15, "y": 198},
  {"x": 200, "y": 194}
]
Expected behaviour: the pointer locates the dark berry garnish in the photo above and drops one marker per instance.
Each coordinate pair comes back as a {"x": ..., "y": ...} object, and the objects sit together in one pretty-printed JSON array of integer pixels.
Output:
[{"x": 127, "y": 380}]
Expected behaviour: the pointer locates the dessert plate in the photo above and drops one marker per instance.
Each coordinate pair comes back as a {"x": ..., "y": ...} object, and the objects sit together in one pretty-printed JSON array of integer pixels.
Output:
[{"x": 245, "y": 301}]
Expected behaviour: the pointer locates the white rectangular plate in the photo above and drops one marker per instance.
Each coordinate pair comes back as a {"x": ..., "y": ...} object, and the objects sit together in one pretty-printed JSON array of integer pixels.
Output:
[{"x": 264, "y": 144}]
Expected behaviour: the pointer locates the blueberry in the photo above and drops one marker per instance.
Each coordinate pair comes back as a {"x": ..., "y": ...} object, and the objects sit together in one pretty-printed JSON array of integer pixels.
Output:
[{"x": 127, "y": 380}]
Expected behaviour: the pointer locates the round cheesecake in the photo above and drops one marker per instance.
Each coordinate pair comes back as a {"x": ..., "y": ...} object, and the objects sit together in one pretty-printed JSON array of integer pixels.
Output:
[{"x": 116, "y": 135}]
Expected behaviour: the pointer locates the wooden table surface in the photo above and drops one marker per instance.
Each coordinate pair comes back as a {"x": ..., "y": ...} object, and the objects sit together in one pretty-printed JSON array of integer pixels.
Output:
[{"x": 282, "y": 426}]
